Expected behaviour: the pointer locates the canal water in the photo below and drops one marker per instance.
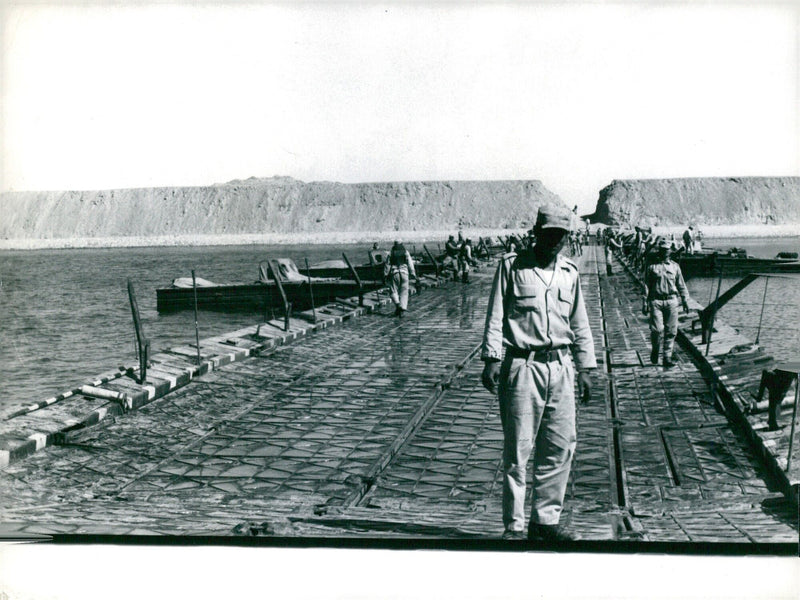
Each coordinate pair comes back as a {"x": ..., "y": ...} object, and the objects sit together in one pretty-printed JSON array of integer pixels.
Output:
[
  {"x": 65, "y": 315},
  {"x": 779, "y": 333}
]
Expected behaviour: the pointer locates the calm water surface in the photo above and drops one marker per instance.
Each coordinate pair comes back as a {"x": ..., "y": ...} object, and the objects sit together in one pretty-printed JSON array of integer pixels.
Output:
[
  {"x": 780, "y": 326},
  {"x": 65, "y": 316}
]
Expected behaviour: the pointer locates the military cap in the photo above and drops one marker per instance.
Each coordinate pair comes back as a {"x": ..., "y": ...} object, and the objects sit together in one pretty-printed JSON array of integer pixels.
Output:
[
  {"x": 553, "y": 217},
  {"x": 664, "y": 244}
]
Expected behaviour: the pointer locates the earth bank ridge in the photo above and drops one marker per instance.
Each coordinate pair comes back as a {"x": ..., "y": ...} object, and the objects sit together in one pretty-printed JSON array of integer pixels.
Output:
[
  {"x": 278, "y": 205},
  {"x": 700, "y": 201}
]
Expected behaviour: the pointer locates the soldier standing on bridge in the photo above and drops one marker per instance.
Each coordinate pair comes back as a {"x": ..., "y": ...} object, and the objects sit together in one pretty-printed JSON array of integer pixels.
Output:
[
  {"x": 398, "y": 268},
  {"x": 451, "y": 250},
  {"x": 465, "y": 260},
  {"x": 612, "y": 245},
  {"x": 688, "y": 240},
  {"x": 536, "y": 312},
  {"x": 663, "y": 283}
]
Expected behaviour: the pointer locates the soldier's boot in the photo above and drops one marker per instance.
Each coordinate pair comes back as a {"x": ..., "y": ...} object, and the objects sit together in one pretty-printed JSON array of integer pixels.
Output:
[
  {"x": 655, "y": 346},
  {"x": 669, "y": 351},
  {"x": 551, "y": 533},
  {"x": 465, "y": 277}
]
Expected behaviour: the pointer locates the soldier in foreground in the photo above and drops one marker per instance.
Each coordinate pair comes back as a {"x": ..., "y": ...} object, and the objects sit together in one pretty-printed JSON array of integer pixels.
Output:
[
  {"x": 663, "y": 282},
  {"x": 537, "y": 314}
]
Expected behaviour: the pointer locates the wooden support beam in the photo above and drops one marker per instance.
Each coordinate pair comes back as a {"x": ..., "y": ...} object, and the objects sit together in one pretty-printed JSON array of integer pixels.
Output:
[
  {"x": 709, "y": 312},
  {"x": 433, "y": 260},
  {"x": 142, "y": 343},
  {"x": 357, "y": 279},
  {"x": 287, "y": 306}
]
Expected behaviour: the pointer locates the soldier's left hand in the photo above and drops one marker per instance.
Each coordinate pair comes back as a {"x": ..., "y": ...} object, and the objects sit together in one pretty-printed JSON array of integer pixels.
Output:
[
  {"x": 491, "y": 375},
  {"x": 585, "y": 386}
]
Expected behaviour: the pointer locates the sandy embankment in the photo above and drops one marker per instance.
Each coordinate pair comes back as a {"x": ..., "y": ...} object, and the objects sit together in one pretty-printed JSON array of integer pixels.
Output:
[
  {"x": 355, "y": 237},
  {"x": 336, "y": 237}
]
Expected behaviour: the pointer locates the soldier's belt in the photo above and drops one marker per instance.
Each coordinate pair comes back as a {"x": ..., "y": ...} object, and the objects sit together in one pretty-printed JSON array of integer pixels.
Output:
[
  {"x": 664, "y": 296},
  {"x": 543, "y": 356}
]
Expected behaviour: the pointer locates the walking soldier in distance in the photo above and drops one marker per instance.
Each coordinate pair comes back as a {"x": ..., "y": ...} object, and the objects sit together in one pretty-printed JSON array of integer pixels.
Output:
[
  {"x": 451, "y": 250},
  {"x": 465, "y": 260},
  {"x": 398, "y": 268},
  {"x": 537, "y": 315},
  {"x": 663, "y": 282},
  {"x": 688, "y": 240}
]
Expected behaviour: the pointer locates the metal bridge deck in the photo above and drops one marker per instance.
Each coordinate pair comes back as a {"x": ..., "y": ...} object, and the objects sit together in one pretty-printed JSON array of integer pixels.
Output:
[{"x": 381, "y": 428}]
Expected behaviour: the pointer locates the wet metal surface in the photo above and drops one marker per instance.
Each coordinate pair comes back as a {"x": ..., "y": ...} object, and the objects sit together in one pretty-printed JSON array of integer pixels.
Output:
[{"x": 381, "y": 427}]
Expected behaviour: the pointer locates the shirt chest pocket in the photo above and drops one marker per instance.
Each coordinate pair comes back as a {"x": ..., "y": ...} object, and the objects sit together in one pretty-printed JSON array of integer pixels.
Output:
[
  {"x": 665, "y": 278},
  {"x": 525, "y": 297},
  {"x": 565, "y": 300}
]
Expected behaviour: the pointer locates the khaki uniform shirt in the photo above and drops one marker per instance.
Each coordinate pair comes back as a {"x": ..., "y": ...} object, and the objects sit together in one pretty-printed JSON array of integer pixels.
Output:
[
  {"x": 525, "y": 313},
  {"x": 665, "y": 279},
  {"x": 407, "y": 267}
]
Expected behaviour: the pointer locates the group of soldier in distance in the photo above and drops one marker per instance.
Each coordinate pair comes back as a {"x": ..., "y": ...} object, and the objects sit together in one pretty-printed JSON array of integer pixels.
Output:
[
  {"x": 460, "y": 257},
  {"x": 664, "y": 287},
  {"x": 537, "y": 340}
]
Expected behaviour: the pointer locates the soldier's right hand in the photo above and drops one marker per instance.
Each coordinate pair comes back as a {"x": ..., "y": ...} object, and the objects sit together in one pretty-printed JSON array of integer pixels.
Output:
[
  {"x": 491, "y": 375},
  {"x": 645, "y": 308}
]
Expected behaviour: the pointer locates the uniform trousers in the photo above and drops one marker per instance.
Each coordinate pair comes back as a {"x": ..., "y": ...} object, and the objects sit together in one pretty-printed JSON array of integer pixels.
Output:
[
  {"x": 537, "y": 410},
  {"x": 398, "y": 286},
  {"x": 664, "y": 324}
]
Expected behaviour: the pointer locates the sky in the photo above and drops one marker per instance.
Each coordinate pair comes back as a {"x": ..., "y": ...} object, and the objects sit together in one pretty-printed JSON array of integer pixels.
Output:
[{"x": 119, "y": 94}]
